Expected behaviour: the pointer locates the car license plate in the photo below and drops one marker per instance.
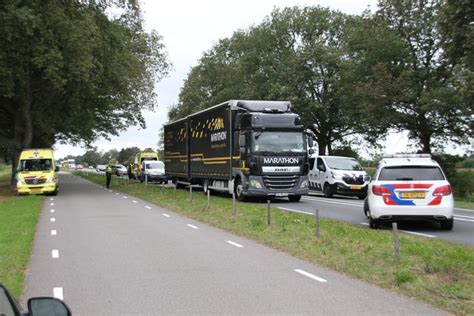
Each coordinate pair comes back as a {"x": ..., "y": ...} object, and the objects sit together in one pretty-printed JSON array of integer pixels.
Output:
[
  {"x": 281, "y": 194},
  {"x": 36, "y": 190},
  {"x": 412, "y": 195},
  {"x": 356, "y": 187}
]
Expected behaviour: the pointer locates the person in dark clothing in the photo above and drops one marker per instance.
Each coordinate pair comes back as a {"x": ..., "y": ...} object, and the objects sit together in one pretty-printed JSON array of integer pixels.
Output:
[
  {"x": 108, "y": 174},
  {"x": 130, "y": 171}
]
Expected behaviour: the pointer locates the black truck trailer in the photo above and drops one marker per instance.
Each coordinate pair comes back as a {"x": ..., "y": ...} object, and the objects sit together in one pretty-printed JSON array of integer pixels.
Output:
[{"x": 252, "y": 148}]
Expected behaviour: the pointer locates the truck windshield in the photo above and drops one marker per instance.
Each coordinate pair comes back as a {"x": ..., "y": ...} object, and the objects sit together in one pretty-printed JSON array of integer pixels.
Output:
[
  {"x": 35, "y": 165},
  {"x": 278, "y": 142},
  {"x": 343, "y": 164},
  {"x": 155, "y": 165}
]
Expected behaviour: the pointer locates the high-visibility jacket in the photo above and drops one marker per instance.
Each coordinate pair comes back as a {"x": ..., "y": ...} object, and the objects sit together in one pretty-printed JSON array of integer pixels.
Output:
[{"x": 108, "y": 169}]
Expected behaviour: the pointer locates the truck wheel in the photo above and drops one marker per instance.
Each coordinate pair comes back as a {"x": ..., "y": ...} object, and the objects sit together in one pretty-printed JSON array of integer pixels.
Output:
[
  {"x": 205, "y": 186},
  {"x": 239, "y": 188},
  {"x": 447, "y": 224},
  {"x": 327, "y": 190},
  {"x": 294, "y": 198}
]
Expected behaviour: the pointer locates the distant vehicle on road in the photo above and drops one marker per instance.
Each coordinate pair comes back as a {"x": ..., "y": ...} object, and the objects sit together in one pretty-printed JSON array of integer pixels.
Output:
[
  {"x": 79, "y": 167},
  {"x": 37, "y": 306},
  {"x": 71, "y": 164},
  {"x": 338, "y": 175},
  {"x": 154, "y": 171},
  {"x": 119, "y": 170},
  {"x": 37, "y": 172},
  {"x": 409, "y": 187},
  {"x": 139, "y": 158},
  {"x": 100, "y": 168}
]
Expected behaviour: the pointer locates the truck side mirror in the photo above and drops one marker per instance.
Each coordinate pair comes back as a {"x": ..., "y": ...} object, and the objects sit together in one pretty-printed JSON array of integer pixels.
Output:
[
  {"x": 310, "y": 141},
  {"x": 242, "y": 144}
]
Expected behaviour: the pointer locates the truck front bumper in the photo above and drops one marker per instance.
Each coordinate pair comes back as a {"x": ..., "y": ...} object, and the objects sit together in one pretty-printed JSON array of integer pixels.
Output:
[{"x": 252, "y": 189}]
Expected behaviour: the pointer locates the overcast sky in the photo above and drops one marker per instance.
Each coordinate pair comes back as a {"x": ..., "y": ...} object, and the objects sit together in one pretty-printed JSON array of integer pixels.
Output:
[{"x": 191, "y": 27}]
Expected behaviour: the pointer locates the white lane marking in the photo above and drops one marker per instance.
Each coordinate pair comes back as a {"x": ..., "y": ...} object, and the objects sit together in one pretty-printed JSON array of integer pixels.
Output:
[
  {"x": 58, "y": 293},
  {"x": 52, "y": 219},
  {"x": 165, "y": 215},
  {"x": 146, "y": 206},
  {"x": 125, "y": 197},
  {"x": 53, "y": 232},
  {"x": 110, "y": 191},
  {"x": 192, "y": 226},
  {"x": 332, "y": 202},
  {"x": 55, "y": 253},
  {"x": 52, "y": 210},
  {"x": 296, "y": 211},
  {"x": 52, "y": 204},
  {"x": 309, "y": 275},
  {"x": 366, "y": 224},
  {"x": 463, "y": 219},
  {"x": 464, "y": 216},
  {"x": 234, "y": 243},
  {"x": 116, "y": 193},
  {"x": 135, "y": 201},
  {"x": 51, "y": 199},
  {"x": 418, "y": 234}
]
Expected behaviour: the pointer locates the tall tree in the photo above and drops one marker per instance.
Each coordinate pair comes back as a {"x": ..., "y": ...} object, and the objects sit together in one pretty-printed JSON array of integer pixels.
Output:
[
  {"x": 405, "y": 79},
  {"x": 68, "y": 71}
]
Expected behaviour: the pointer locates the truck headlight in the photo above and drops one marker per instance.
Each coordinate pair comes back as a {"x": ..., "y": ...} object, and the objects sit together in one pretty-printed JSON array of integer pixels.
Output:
[
  {"x": 255, "y": 184},
  {"x": 304, "y": 184},
  {"x": 336, "y": 176},
  {"x": 20, "y": 182}
]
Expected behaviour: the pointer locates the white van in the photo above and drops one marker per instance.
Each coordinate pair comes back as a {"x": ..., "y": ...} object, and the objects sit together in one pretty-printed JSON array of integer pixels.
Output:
[{"x": 338, "y": 175}]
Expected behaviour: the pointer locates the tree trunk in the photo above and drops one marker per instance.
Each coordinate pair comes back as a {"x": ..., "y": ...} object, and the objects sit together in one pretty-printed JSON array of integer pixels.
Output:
[
  {"x": 425, "y": 140},
  {"x": 329, "y": 147},
  {"x": 321, "y": 147}
]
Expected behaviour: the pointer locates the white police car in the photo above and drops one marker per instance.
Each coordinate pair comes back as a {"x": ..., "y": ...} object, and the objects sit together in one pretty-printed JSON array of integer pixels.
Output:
[{"x": 409, "y": 187}]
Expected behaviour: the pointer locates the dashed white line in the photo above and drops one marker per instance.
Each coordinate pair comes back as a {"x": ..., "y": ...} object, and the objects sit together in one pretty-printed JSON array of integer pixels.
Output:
[
  {"x": 116, "y": 193},
  {"x": 366, "y": 224},
  {"x": 464, "y": 216},
  {"x": 53, "y": 232},
  {"x": 58, "y": 293},
  {"x": 110, "y": 191},
  {"x": 51, "y": 199},
  {"x": 135, "y": 201},
  {"x": 309, "y": 275},
  {"x": 296, "y": 211},
  {"x": 52, "y": 204},
  {"x": 418, "y": 234},
  {"x": 192, "y": 226},
  {"x": 463, "y": 219},
  {"x": 165, "y": 215},
  {"x": 234, "y": 244},
  {"x": 125, "y": 197},
  {"x": 52, "y": 219},
  {"x": 55, "y": 253},
  {"x": 146, "y": 206},
  {"x": 52, "y": 210}
]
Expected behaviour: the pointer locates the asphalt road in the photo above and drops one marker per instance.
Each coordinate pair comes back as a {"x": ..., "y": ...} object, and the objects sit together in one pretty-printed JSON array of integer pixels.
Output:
[
  {"x": 350, "y": 210},
  {"x": 107, "y": 253}
]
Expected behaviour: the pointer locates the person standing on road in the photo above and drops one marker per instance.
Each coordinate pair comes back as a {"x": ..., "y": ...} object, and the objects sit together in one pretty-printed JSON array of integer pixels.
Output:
[
  {"x": 130, "y": 171},
  {"x": 108, "y": 174}
]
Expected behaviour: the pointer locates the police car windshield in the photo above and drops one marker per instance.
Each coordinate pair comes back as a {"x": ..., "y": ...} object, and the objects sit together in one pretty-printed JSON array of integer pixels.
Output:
[
  {"x": 343, "y": 164},
  {"x": 155, "y": 165},
  {"x": 278, "y": 142},
  {"x": 35, "y": 165},
  {"x": 411, "y": 173}
]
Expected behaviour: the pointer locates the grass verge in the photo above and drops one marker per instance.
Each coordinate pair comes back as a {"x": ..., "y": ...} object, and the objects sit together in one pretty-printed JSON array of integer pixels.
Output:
[
  {"x": 18, "y": 219},
  {"x": 432, "y": 271},
  {"x": 464, "y": 202}
]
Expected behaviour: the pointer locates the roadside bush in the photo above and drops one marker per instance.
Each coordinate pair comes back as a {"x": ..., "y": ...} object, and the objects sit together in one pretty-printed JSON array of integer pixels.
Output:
[{"x": 463, "y": 184}]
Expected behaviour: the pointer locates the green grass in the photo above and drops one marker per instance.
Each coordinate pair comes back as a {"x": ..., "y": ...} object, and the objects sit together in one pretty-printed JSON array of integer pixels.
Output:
[
  {"x": 433, "y": 271},
  {"x": 464, "y": 202},
  {"x": 18, "y": 219}
]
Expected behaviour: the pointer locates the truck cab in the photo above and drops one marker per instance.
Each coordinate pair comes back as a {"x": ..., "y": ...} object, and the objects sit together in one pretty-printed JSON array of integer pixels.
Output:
[{"x": 37, "y": 172}]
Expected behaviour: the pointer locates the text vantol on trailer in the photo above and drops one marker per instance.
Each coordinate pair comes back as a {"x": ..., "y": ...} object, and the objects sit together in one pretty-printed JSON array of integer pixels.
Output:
[{"x": 254, "y": 148}]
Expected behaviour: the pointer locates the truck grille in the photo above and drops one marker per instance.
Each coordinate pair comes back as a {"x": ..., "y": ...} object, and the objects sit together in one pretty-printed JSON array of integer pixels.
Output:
[
  {"x": 350, "y": 180},
  {"x": 35, "y": 180},
  {"x": 280, "y": 182}
]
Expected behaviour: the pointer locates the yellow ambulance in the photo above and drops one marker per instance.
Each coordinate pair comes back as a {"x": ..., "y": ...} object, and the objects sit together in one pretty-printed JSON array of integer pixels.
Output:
[
  {"x": 139, "y": 158},
  {"x": 37, "y": 172}
]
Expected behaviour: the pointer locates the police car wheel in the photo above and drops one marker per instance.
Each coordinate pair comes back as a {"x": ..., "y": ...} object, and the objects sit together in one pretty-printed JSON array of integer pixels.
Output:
[
  {"x": 327, "y": 190},
  {"x": 447, "y": 224},
  {"x": 366, "y": 208}
]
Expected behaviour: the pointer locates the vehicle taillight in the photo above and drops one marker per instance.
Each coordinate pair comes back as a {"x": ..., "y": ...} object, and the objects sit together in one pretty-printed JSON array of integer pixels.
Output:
[
  {"x": 444, "y": 190},
  {"x": 380, "y": 190}
]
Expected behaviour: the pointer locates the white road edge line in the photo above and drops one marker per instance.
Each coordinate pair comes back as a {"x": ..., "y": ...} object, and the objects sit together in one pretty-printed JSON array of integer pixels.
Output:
[
  {"x": 52, "y": 219},
  {"x": 116, "y": 193},
  {"x": 134, "y": 201},
  {"x": 464, "y": 219},
  {"x": 52, "y": 210},
  {"x": 146, "y": 206},
  {"x": 464, "y": 216},
  {"x": 55, "y": 253},
  {"x": 53, "y": 232},
  {"x": 409, "y": 232},
  {"x": 234, "y": 244},
  {"x": 309, "y": 275},
  {"x": 125, "y": 197},
  {"x": 58, "y": 293},
  {"x": 296, "y": 211},
  {"x": 192, "y": 226},
  {"x": 165, "y": 215},
  {"x": 366, "y": 224},
  {"x": 332, "y": 202}
]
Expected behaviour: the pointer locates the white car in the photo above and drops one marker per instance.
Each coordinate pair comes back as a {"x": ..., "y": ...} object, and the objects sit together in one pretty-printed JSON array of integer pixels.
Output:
[
  {"x": 338, "y": 175},
  {"x": 409, "y": 187}
]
